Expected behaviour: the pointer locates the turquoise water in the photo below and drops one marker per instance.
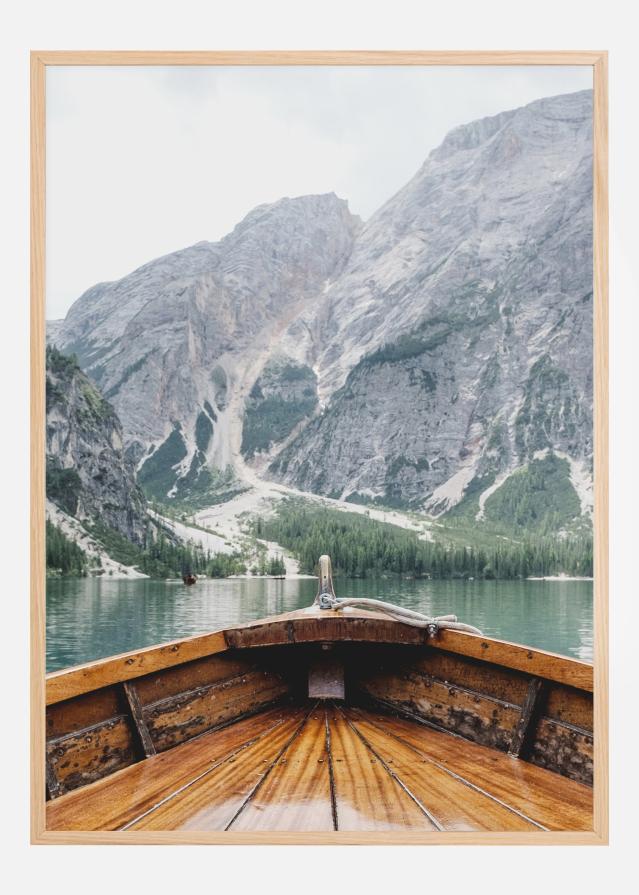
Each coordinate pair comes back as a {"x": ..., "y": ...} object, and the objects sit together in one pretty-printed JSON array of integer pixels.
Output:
[{"x": 90, "y": 618}]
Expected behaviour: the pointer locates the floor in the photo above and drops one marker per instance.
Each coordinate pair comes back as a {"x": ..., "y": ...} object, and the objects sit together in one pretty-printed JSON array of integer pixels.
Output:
[{"x": 327, "y": 767}]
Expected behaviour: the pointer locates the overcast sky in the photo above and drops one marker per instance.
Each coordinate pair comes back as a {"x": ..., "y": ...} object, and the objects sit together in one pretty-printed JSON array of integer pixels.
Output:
[{"x": 142, "y": 160}]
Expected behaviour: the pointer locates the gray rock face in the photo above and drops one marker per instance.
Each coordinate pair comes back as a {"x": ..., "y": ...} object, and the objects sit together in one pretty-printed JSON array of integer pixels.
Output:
[
  {"x": 457, "y": 341},
  {"x": 448, "y": 340},
  {"x": 189, "y": 328},
  {"x": 88, "y": 475}
]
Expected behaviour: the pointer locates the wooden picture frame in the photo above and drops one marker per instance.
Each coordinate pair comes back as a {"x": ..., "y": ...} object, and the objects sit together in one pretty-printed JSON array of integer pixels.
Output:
[{"x": 597, "y": 60}]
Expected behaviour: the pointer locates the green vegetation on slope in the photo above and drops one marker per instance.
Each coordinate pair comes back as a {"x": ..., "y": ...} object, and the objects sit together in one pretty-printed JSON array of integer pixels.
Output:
[
  {"x": 550, "y": 406},
  {"x": 361, "y": 547},
  {"x": 161, "y": 557},
  {"x": 61, "y": 370},
  {"x": 272, "y": 420},
  {"x": 157, "y": 475},
  {"x": 284, "y": 395},
  {"x": 539, "y": 497},
  {"x": 64, "y": 557},
  {"x": 203, "y": 431},
  {"x": 63, "y": 486}
]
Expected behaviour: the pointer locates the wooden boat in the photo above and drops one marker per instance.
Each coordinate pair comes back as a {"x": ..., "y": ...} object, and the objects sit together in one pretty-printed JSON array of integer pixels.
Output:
[{"x": 318, "y": 720}]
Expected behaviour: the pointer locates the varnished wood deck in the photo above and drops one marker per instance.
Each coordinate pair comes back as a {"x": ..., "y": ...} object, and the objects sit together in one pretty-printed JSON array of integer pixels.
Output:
[{"x": 326, "y": 768}]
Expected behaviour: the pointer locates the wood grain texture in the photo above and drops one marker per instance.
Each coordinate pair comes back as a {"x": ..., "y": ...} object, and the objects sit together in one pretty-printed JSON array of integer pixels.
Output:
[
  {"x": 191, "y": 675},
  {"x": 83, "y": 711},
  {"x": 135, "y": 711},
  {"x": 112, "y": 803},
  {"x": 318, "y": 57},
  {"x": 569, "y": 705},
  {"x": 216, "y": 799},
  {"x": 367, "y": 797},
  {"x": 563, "y": 749},
  {"x": 92, "y": 753},
  {"x": 528, "y": 719},
  {"x": 451, "y": 803},
  {"x": 556, "y": 803},
  {"x": 127, "y": 666},
  {"x": 176, "y": 719},
  {"x": 314, "y": 627},
  {"x": 297, "y": 793},
  {"x": 271, "y": 773},
  {"x": 479, "y": 718},
  {"x": 471, "y": 674},
  {"x": 37, "y": 446},
  {"x": 521, "y": 658}
]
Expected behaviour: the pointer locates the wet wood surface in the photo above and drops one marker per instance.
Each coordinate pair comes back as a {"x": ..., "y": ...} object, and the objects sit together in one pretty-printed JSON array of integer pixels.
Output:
[
  {"x": 367, "y": 796},
  {"x": 215, "y": 799},
  {"x": 115, "y": 801},
  {"x": 555, "y": 802},
  {"x": 296, "y": 795},
  {"x": 323, "y": 768},
  {"x": 451, "y": 804}
]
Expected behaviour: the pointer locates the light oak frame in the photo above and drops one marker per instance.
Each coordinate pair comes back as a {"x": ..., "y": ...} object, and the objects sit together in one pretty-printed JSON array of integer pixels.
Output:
[{"x": 598, "y": 61}]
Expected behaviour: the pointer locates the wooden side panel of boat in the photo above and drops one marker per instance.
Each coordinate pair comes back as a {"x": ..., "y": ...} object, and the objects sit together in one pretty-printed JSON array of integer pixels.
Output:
[{"x": 498, "y": 716}]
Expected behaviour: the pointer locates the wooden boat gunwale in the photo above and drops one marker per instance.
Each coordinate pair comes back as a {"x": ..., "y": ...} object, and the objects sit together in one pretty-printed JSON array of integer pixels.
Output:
[{"x": 309, "y": 626}]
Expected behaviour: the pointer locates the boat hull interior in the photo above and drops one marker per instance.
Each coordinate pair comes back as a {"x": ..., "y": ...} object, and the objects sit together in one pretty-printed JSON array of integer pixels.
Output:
[{"x": 320, "y": 722}]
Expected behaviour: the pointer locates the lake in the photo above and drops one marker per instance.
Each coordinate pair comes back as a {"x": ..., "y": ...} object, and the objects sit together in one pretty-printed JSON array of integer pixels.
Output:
[{"x": 89, "y": 618}]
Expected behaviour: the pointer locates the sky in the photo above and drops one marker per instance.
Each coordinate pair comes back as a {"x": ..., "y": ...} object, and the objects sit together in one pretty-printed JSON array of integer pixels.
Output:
[{"x": 145, "y": 160}]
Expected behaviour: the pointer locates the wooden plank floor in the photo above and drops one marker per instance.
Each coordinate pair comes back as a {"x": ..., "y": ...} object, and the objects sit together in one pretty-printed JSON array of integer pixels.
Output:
[{"x": 327, "y": 767}]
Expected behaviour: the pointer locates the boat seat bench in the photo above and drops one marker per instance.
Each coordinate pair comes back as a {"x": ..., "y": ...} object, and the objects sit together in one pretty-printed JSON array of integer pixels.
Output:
[{"x": 327, "y": 766}]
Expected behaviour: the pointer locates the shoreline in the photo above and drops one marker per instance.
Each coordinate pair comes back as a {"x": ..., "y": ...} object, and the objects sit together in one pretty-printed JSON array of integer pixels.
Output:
[{"x": 559, "y": 578}]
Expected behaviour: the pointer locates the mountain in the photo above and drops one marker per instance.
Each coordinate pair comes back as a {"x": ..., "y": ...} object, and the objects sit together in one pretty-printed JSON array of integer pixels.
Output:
[
  {"x": 176, "y": 346},
  {"x": 457, "y": 342},
  {"x": 88, "y": 476},
  {"x": 437, "y": 357}
]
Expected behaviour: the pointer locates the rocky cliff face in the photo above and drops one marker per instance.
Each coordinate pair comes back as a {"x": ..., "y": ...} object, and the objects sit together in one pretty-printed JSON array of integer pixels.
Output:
[
  {"x": 415, "y": 360},
  {"x": 457, "y": 342},
  {"x": 87, "y": 474},
  {"x": 177, "y": 345}
]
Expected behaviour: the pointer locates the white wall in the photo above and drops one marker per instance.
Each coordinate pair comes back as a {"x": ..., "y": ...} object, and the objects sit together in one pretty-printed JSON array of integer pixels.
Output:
[{"x": 331, "y": 24}]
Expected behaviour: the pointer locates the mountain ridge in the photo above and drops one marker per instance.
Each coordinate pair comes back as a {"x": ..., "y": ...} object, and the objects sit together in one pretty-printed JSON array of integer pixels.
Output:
[{"x": 440, "y": 343}]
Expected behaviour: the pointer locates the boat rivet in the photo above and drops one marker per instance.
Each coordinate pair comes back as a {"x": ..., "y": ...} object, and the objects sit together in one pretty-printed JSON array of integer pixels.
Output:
[
  {"x": 175, "y": 648},
  {"x": 130, "y": 661}
]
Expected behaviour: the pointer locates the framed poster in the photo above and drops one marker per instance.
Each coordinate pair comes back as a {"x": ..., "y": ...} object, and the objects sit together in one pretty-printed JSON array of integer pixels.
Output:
[{"x": 319, "y": 447}]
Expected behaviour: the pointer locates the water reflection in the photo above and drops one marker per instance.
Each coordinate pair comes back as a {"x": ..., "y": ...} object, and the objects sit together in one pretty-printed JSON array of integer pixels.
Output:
[{"x": 91, "y": 618}]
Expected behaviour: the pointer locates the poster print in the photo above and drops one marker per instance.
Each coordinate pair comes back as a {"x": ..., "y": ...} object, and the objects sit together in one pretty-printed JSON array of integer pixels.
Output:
[{"x": 319, "y": 336}]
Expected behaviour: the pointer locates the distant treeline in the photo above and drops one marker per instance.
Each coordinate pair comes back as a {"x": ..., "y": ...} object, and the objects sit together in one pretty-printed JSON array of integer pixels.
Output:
[
  {"x": 360, "y": 547},
  {"x": 64, "y": 557},
  {"x": 160, "y": 557}
]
